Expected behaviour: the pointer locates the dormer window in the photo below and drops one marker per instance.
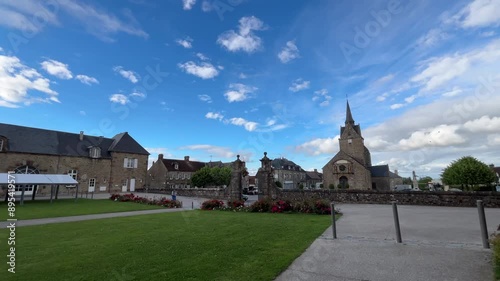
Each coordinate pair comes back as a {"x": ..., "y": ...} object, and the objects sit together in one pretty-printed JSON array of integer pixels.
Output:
[
  {"x": 176, "y": 166},
  {"x": 95, "y": 152},
  {"x": 3, "y": 144}
]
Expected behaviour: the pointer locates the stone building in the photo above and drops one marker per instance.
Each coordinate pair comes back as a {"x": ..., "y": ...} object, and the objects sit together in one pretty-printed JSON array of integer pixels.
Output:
[
  {"x": 99, "y": 164},
  {"x": 289, "y": 174},
  {"x": 172, "y": 173},
  {"x": 352, "y": 167},
  {"x": 313, "y": 179}
]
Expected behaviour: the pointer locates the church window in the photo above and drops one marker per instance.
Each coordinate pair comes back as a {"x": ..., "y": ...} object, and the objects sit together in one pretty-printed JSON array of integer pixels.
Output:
[{"x": 342, "y": 168}]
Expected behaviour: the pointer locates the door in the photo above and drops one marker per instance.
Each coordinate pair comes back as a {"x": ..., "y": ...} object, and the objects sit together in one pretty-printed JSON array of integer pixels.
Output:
[
  {"x": 124, "y": 186},
  {"x": 132, "y": 185}
]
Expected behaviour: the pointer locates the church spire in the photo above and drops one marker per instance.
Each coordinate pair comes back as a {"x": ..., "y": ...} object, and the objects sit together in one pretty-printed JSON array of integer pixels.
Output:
[{"x": 348, "y": 115}]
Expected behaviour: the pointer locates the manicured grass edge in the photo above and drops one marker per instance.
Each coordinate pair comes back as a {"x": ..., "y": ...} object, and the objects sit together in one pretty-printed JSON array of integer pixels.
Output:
[{"x": 495, "y": 241}]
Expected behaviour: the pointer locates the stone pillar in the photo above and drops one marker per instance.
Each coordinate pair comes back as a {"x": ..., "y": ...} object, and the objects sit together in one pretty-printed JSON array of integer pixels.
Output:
[
  {"x": 267, "y": 186},
  {"x": 236, "y": 185},
  {"x": 415, "y": 182}
]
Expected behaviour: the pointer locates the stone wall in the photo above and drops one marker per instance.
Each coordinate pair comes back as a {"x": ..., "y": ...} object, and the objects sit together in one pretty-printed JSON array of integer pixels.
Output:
[
  {"x": 209, "y": 193},
  {"x": 444, "y": 198}
]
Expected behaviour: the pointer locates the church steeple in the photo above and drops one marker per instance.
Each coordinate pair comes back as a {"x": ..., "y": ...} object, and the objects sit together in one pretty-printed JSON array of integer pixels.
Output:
[{"x": 348, "y": 115}]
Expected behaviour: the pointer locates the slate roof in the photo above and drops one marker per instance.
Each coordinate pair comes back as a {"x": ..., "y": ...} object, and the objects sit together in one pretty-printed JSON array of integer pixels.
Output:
[
  {"x": 40, "y": 141},
  {"x": 314, "y": 176},
  {"x": 183, "y": 165},
  {"x": 284, "y": 164},
  {"x": 382, "y": 171}
]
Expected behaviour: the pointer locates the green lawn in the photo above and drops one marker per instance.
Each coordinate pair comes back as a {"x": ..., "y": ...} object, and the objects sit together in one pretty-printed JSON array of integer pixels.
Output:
[
  {"x": 496, "y": 255},
  {"x": 190, "y": 245},
  {"x": 68, "y": 207}
]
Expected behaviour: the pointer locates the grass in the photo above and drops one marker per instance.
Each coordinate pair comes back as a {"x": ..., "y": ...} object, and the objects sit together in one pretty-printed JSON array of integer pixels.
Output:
[
  {"x": 68, "y": 207},
  {"x": 192, "y": 245},
  {"x": 496, "y": 255}
]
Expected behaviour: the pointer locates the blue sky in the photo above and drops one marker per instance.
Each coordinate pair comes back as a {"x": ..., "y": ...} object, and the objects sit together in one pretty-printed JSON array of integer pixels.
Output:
[{"x": 212, "y": 79}]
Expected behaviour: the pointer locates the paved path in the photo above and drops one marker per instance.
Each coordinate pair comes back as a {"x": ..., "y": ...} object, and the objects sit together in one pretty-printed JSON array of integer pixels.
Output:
[{"x": 439, "y": 243}]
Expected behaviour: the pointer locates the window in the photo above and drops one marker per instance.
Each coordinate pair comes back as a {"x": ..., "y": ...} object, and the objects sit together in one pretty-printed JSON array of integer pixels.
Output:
[
  {"x": 91, "y": 183},
  {"x": 74, "y": 175},
  {"x": 176, "y": 166},
  {"x": 95, "y": 152},
  {"x": 130, "y": 163},
  {"x": 188, "y": 176},
  {"x": 1, "y": 145}
]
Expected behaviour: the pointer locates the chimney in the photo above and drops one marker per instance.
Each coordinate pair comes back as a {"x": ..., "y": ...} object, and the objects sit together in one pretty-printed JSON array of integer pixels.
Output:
[
  {"x": 396, "y": 172},
  {"x": 186, "y": 158},
  {"x": 160, "y": 156},
  {"x": 315, "y": 170},
  {"x": 81, "y": 135}
]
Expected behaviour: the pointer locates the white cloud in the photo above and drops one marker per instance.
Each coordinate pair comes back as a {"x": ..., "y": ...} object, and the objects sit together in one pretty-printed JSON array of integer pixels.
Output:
[
  {"x": 244, "y": 40},
  {"x": 186, "y": 43},
  {"x": 442, "y": 135},
  {"x": 242, "y": 76},
  {"x": 442, "y": 70},
  {"x": 83, "y": 113},
  {"x": 385, "y": 79},
  {"x": 203, "y": 70},
  {"x": 19, "y": 15},
  {"x": 18, "y": 80},
  {"x": 239, "y": 92},
  {"x": 432, "y": 38},
  {"x": 397, "y": 105},
  {"x": 289, "y": 52},
  {"x": 299, "y": 85},
  {"x": 319, "y": 146},
  {"x": 138, "y": 94},
  {"x": 248, "y": 125},
  {"x": 206, "y": 6},
  {"x": 119, "y": 98},
  {"x": 322, "y": 95},
  {"x": 188, "y": 4},
  {"x": 127, "y": 74},
  {"x": 86, "y": 79},
  {"x": 454, "y": 92},
  {"x": 217, "y": 151},
  {"x": 57, "y": 68},
  {"x": 202, "y": 56},
  {"x": 205, "y": 98},
  {"x": 483, "y": 124},
  {"x": 480, "y": 13},
  {"x": 214, "y": 115}
]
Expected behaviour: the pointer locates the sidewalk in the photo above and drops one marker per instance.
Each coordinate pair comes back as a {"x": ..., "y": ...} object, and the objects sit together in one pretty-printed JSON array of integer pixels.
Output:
[{"x": 439, "y": 243}]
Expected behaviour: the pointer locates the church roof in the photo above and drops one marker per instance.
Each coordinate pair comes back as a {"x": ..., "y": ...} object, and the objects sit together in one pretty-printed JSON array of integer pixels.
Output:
[{"x": 348, "y": 115}]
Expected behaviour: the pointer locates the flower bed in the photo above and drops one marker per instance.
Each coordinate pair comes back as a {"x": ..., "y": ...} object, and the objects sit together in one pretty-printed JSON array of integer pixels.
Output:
[
  {"x": 130, "y": 197},
  {"x": 321, "y": 207}
]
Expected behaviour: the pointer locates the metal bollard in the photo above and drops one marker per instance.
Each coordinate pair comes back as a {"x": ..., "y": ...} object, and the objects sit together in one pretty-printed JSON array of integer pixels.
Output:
[
  {"x": 334, "y": 226},
  {"x": 396, "y": 222},
  {"x": 192, "y": 205},
  {"x": 482, "y": 223}
]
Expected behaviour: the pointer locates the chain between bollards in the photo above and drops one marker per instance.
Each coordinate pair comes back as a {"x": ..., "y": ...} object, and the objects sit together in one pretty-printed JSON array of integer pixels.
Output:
[
  {"x": 482, "y": 223},
  {"x": 396, "y": 221},
  {"x": 334, "y": 227}
]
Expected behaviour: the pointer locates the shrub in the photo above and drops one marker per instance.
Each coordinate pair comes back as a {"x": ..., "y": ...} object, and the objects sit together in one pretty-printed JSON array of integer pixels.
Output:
[
  {"x": 212, "y": 204},
  {"x": 331, "y": 186},
  {"x": 235, "y": 204},
  {"x": 281, "y": 206},
  {"x": 495, "y": 241},
  {"x": 262, "y": 205},
  {"x": 322, "y": 207},
  {"x": 130, "y": 197},
  {"x": 305, "y": 206}
]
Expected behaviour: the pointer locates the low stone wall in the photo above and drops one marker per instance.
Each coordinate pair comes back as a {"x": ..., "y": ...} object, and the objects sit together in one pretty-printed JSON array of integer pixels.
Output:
[
  {"x": 442, "y": 198},
  {"x": 210, "y": 193}
]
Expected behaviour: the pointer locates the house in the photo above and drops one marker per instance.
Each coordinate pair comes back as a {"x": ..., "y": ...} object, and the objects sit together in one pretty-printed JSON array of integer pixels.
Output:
[
  {"x": 172, "y": 173},
  {"x": 313, "y": 179},
  {"x": 289, "y": 174},
  {"x": 352, "y": 167},
  {"x": 99, "y": 164},
  {"x": 496, "y": 170}
]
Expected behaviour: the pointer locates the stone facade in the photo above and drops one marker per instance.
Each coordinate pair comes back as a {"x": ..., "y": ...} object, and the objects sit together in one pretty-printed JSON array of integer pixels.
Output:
[
  {"x": 265, "y": 179},
  {"x": 351, "y": 167},
  {"x": 104, "y": 172},
  {"x": 289, "y": 174}
]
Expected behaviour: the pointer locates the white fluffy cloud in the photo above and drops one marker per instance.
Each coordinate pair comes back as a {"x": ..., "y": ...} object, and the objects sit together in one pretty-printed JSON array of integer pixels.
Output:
[
  {"x": 322, "y": 96},
  {"x": 320, "y": 146},
  {"x": 127, "y": 74},
  {"x": 188, "y": 4},
  {"x": 86, "y": 79},
  {"x": 244, "y": 40},
  {"x": 203, "y": 70},
  {"x": 299, "y": 85},
  {"x": 217, "y": 151},
  {"x": 480, "y": 13},
  {"x": 442, "y": 135},
  {"x": 483, "y": 124},
  {"x": 119, "y": 98},
  {"x": 248, "y": 125},
  {"x": 186, "y": 43},
  {"x": 289, "y": 52},
  {"x": 18, "y": 82},
  {"x": 214, "y": 115},
  {"x": 239, "y": 92},
  {"x": 57, "y": 68}
]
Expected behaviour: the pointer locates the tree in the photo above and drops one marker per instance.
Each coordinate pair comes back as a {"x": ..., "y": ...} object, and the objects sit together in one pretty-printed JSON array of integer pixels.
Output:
[
  {"x": 407, "y": 180},
  {"x": 220, "y": 176},
  {"x": 202, "y": 177},
  {"x": 468, "y": 172},
  {"x": 423, "y": 182}
]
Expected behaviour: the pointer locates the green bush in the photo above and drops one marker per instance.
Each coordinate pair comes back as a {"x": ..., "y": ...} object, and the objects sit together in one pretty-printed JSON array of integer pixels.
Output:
[
  {"x": 262, "y": 206},
  {"x": 495, "y": 241},
  {"x": 212, "y": 204},
  {"x": 331, "y": 186}
]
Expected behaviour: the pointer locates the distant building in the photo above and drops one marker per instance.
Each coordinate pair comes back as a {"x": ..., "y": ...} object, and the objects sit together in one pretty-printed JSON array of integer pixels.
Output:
[
  {"x": 313, "y": 179},
  {"x": 99, "y": 164},
  {"x": 352, "y": 168},
  {"x": 289, "y": 174},
  {"x": 496, "y": 170}
]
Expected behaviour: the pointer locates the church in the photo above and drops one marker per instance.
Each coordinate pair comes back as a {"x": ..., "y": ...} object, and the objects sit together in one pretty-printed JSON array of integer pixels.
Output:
[{"x": 351, "y": 167}]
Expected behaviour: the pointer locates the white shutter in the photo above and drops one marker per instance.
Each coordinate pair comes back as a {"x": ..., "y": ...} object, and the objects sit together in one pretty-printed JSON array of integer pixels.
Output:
[
  {"x": 135, "y": 163},
  {"x": 125, "y": 161}
]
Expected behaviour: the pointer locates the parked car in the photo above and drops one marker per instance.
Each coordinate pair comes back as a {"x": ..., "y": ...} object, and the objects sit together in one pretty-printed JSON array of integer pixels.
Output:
[{"x": 244, "y": 197}]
